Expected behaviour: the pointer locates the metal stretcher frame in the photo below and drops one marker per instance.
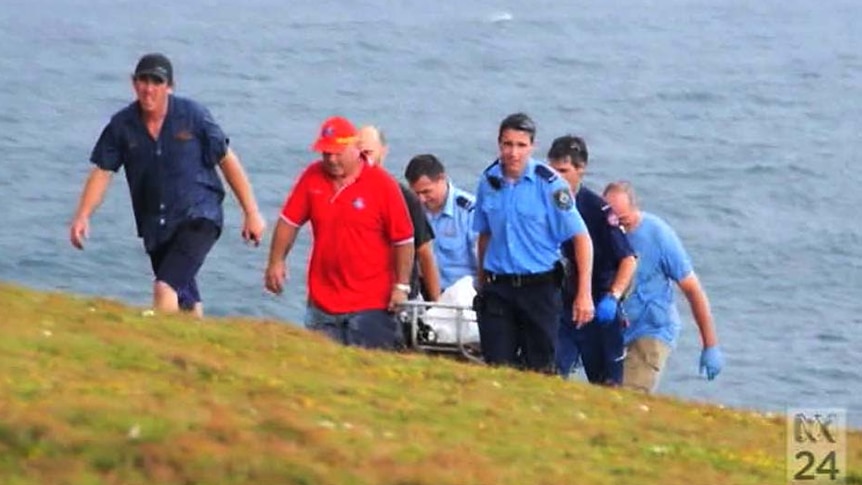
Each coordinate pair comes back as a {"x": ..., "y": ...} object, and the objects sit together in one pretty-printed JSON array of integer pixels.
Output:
[{"x": 411, "y": 314}]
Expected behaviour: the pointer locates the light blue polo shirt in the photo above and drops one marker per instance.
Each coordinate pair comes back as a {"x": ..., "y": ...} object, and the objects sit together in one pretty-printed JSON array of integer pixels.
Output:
[
  {"x": 662, "y": 263},
  {"x": 454, "y": 237},
  {"x": 527, "y": 219}
]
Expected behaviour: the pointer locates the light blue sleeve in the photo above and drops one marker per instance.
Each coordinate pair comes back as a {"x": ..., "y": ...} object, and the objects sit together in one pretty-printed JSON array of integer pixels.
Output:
[
  {"x": 480, "y": 219},
  {"x": 565, "y": 220},
  {"x": 674, "y": 259}
]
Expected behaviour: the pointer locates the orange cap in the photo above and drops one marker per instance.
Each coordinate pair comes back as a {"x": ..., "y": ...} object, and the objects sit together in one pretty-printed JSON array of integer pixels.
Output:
[{"x": 336, "y": 133}]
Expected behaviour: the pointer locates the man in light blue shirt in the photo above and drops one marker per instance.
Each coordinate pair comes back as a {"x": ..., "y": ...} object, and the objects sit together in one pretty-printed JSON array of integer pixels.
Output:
[
  {"x": 651, "y": 310},
  {"x": 450, "y": 212},
  {"x": 524, "y": 211}
]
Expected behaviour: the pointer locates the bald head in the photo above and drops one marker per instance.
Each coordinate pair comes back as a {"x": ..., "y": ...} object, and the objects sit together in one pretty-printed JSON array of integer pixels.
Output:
[
  {"x": 621, "y": 197},
  {"x": 372, "y": 142}
]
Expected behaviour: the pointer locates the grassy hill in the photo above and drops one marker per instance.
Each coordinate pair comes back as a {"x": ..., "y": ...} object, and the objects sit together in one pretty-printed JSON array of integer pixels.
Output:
[{"x": 93, "y": 392}]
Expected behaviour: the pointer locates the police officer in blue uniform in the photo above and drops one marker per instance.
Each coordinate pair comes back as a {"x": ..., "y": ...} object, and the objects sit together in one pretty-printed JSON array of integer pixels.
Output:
[
  {"x": 450, "y": 211},
  {"x": 599, "y": 344},
  {"x": 524, "y": 212}
]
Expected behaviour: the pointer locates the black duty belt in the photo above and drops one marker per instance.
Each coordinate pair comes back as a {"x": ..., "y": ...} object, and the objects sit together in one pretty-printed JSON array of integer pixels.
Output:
[{"x": 517, "y": 280}]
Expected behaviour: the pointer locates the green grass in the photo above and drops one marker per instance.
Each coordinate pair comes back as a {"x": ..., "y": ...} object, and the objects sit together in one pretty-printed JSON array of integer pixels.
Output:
[{"x": 92, "y": 392}]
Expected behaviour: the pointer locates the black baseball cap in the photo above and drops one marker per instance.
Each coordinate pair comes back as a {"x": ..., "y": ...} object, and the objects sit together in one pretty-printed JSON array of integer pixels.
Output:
[{"x": 157, "y": 65}]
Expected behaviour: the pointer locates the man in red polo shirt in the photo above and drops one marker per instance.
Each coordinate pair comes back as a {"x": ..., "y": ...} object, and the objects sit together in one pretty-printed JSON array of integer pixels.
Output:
[{"x": 363, "y": 242}]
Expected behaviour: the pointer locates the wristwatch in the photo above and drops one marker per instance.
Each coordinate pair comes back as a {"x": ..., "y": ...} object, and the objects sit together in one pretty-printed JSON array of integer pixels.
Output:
[{"x": 402, "y": 287}]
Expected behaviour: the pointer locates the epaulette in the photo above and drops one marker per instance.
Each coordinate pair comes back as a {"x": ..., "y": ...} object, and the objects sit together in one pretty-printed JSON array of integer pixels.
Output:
[
  {"x": 464, "y": 202},
  {"x": 545, "y": 173}
]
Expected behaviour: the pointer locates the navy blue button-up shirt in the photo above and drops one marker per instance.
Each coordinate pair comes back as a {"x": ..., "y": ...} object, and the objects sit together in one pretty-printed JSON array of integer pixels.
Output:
[
  {"x": 610, "y": 245},
  {"x": 172, "y": 179}
]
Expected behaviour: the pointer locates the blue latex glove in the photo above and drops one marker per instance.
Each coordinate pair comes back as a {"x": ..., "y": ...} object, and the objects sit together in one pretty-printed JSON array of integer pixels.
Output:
[
  {"x": 711, "y": 362},
  {"x": 606, "y": 310}
]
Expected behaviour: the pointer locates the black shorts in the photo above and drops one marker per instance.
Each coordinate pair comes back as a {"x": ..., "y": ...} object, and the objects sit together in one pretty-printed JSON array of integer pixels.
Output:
[{"x": 177, "y": 261}]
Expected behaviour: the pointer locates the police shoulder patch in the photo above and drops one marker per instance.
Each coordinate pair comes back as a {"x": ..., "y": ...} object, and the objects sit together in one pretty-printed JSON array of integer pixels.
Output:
[
  {"x": 563, "y": 199},
  {"x": 464, "y": 202},
  {"x": 545, "y": 173}
]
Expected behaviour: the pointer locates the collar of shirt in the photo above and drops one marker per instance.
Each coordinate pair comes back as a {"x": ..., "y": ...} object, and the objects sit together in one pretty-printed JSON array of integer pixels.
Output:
[
  {"x": 449, "y": 205},
  {"x": 529, "y": 172},
  {"x": 347, "y": 182},
  {"x": 139, "y": 119}
]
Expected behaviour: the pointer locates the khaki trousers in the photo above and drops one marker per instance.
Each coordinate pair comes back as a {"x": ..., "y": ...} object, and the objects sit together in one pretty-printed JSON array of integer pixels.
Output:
[{"x": 644, "y": 363}]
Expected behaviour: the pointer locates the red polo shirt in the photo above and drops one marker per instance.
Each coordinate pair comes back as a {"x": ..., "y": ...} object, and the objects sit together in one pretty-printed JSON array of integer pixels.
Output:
[{"x": 355, "y": 230}]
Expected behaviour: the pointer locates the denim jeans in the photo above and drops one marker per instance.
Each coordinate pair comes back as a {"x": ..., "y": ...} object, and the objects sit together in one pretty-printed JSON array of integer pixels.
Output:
[{"x": 374, "y": 329}]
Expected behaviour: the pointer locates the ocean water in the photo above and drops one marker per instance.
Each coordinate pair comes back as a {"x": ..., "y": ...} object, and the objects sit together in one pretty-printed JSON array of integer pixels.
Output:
[{"x": 738, "y": 122}]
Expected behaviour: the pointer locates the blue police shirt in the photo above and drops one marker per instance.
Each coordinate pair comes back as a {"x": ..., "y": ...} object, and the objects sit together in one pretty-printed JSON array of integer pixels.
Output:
[
  {"x": 171, "y": 179},
  {"x": 662, "y": 261},
  {"x": 527, "y": 219},
  {"x": 610, "y": 245},
  {"x": 455, "y": 242}
]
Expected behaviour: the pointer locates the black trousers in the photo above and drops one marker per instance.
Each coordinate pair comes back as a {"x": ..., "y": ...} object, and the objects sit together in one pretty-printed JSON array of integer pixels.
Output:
[{"x": 518, "y": 325}]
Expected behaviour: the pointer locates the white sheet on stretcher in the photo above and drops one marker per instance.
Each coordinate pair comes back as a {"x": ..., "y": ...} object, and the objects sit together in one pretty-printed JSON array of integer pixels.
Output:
[{"x": 443, "y": 320}]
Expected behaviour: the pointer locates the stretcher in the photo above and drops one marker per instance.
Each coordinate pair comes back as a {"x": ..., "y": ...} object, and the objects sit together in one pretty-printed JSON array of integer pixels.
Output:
[{"x": 441, "y": 328}]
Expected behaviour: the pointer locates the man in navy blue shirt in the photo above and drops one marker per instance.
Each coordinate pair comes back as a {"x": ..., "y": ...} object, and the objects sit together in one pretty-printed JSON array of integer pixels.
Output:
[
  {"x": 523, "y": 213},
  {"x": 169, "y": 147},
  {"x": 599, "y": 344}
]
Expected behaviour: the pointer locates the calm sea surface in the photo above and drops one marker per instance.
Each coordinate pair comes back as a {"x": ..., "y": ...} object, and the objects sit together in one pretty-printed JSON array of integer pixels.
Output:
[{"x": 737, "y": 120}]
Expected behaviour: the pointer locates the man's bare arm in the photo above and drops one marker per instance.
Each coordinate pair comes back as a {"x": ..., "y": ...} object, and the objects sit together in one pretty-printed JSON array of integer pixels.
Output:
[
  {"x": 699, "y": 303},
  {"x": 282, "y": 242},
  {"x": 94, "y": 192},
  {"x": 404, "y": 254},
  {"x": 234, "y": 174},
  {"x": 623, "y": 278},
  {"x": 481, "y": 248}
]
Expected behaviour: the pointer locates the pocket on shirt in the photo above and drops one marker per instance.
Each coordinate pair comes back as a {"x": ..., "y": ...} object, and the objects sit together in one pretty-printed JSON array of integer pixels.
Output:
[
  {"x": 189, "y": 150},
  {"x": 533, "y": 215},
  {"x": 452, "y": 248}
]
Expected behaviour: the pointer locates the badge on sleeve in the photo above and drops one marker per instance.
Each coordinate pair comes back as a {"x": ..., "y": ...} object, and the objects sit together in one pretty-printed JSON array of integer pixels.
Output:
[{"x": 563, "y": 199}]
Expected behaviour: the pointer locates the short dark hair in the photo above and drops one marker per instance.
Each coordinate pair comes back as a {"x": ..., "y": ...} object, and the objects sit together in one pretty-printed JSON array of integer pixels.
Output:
[
  {"x": 569, "y": 146},
  {"x": 424, "y": 165},
  {"x": 518, "y": 122}
]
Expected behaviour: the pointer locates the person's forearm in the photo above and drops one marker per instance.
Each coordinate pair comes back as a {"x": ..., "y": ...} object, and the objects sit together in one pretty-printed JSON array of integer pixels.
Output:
[
  {"x": 584, "y": 262},
  {"x": 93, "y": 193},
  {"x": 238, "y": 181},
  {"x": 699, "y": 304},
  {"x": 430, "y": 273},
  {"x": 481, "y": 247},
  {"x": 282, "y": 241},
  {"x": 404, "y": 254},
  {"x": 623, "y": 278}
]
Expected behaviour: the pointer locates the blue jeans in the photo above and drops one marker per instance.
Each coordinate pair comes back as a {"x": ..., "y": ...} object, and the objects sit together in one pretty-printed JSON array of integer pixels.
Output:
[{"x": 373, "y": 329}]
